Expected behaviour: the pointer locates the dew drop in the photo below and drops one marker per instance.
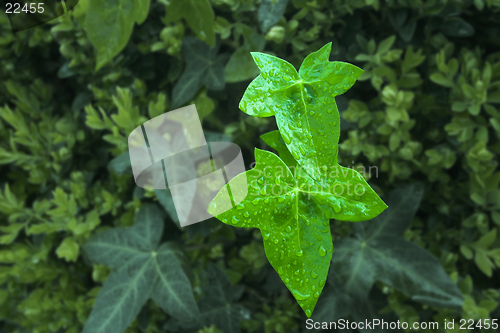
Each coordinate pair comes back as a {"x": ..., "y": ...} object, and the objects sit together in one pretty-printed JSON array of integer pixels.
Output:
[
  {"x": 337, "y": 208},
  {"x": 311, "y": 113},
  {"x": 322, "y": 251},
  {"x": 299, "y": 296},
  {"x": 308, "y": 313},
  {"x": 299, "y": 253},
  {"x": 234, "y": 220},
  {"x": 281, "y": 199},
  {"x": 255, "y": 201},
  {"x": 286, "y": 137},
  {"x": 239, "y": 207},
  {"x": 246, "y": 214},
  {"x": 316, "y": 295},
  {"x": 282, "y": 256},
  {"x": 322, "y": 283},
  {"x": 314, "y": 274},
  {"x": 302, "y": 151}
]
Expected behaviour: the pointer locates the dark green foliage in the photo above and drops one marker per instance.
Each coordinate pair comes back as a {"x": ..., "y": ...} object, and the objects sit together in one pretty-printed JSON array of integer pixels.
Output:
[{"x": 424, "y": 111}]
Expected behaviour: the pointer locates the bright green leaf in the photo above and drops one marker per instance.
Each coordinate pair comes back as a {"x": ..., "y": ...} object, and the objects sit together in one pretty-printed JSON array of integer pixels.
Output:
[
  {"x": 303, "y": 103},
  {"x": 292, "y": 212}
]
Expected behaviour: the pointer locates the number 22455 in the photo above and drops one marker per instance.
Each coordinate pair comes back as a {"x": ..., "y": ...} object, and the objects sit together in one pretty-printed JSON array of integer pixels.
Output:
[{"x": 32, "y": 9}]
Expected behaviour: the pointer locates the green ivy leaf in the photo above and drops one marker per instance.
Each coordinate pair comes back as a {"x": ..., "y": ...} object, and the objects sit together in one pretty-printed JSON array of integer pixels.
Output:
[
  {"x": 140, "y": 270},
  {"x": 240, "y": 66},
  {"x": 379, "y": 252},
  {"x": 109, "y": 24},
  {"x": 294, "y": 220},
  {"x": 303, "y": 103},
  {"x": 198, "y": 15},
  {"x": 270, "y": 12},
  {"x": 204, "y": 67}
]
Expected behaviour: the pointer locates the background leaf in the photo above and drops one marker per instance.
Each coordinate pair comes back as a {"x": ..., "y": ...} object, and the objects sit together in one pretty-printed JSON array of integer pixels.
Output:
[
  {"x": 109, "y": 24},
  {"x": 270, "y": 12},
  {"x": 358, "y": 262},
  {"x": 140, "y": 271},
  {"x": 204, "y": 67},
  {"x": 198, "y": 15},
  {"x": 241, "y": 66}
]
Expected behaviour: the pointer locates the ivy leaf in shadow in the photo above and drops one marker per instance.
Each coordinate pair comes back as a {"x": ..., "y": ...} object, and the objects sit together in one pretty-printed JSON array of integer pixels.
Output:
[
  {"x": 378, "y": 252},
  {"x": 204, "y": 68}
]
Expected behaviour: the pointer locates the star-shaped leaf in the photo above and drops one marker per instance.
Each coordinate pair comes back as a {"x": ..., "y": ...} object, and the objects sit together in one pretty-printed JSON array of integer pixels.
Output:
[
  {"x": 303, "y": 103},
  {"x": 293, "y": 216},
  {"x": 204, "y": 68},
  {"x": 378, "y": 252},
  {"x": 293, "y": 210},
  {"x": 140, "y": 270}
]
